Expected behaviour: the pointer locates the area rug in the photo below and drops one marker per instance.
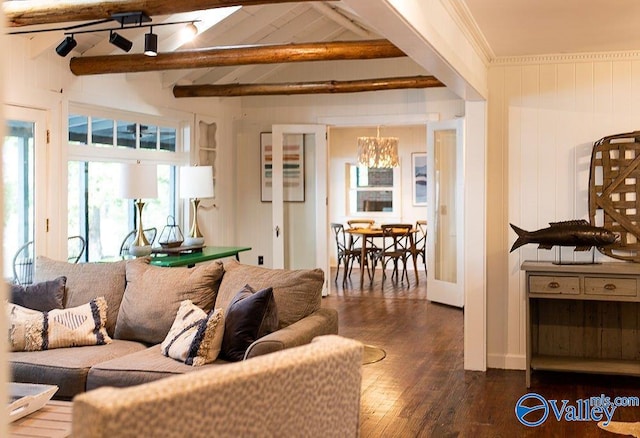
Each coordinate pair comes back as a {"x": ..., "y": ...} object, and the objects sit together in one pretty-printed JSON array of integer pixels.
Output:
[{"x": 372, "y": 354}]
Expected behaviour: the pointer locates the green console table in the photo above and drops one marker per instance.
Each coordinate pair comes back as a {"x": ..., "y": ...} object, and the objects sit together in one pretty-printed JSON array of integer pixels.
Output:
[{"x": 207, "y": 253}]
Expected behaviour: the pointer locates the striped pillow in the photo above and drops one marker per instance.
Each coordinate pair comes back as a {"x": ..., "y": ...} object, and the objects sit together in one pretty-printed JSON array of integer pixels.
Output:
[
  {"x": 31, "y": 330},
  {"x": 195, "y": 337}
]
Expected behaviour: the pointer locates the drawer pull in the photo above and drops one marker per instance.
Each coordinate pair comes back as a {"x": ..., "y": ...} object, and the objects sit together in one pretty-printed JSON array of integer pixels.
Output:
[
  {"x": 553, "y": 285},
  {"x": 610, "y": 286}
]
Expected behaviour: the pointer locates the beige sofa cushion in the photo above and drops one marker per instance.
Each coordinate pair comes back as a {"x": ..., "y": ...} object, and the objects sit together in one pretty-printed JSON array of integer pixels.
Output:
[
  {"x": 86, "y": 281},
  {"x": 298, "y": 293},
  {"x": 153, "y": 296}
]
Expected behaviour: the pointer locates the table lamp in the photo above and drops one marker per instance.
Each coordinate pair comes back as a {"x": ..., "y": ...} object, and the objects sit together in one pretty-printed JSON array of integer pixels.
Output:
[
  {"x": 195, "y": 182},
  {"x": 138, "y": 181}
]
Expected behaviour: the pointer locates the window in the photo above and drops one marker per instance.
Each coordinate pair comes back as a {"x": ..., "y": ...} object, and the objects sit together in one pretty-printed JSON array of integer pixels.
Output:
[
  {"x": 372, "y": 190},
  {"x": 98, "y": 143},
  {"x": 18, "y": 172}
]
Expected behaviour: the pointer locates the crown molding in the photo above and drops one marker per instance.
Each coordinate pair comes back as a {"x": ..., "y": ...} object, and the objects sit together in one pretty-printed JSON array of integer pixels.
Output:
[
  {"x": 461, "y": 14},
  {"x": 562, "y": 58}
]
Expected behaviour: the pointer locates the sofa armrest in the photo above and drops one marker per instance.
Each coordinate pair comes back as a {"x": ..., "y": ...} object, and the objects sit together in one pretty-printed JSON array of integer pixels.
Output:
[{"x": 323, "y": 321}]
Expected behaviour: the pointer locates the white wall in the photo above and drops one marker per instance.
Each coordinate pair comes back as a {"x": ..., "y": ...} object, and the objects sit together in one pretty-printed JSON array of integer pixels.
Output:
[
  {"x": 258, "y": 114},
  {"x": 544, "y": 116}
]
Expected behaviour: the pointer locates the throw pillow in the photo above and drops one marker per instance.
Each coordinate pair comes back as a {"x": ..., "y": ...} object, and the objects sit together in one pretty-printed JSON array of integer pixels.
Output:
[
  {"x": 298, "y": 293},
  {"x": 153, "y": 295},
  {"x": 195, "y": 337},
  {"x": 250, "y": 316},
  {"x": 30, "y": 330},
  {"x": 86, "y": 281},
  {"x": 43, "y": 296}
]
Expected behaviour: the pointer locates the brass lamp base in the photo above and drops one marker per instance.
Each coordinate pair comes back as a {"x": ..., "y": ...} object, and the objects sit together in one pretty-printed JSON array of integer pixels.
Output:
[
  {"x": 140, "y": 246},
  {"x": 195, "y": 237}
]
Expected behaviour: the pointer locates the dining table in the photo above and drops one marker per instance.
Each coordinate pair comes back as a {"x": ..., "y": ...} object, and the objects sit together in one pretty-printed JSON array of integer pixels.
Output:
[{"x": 368, "y": 233}]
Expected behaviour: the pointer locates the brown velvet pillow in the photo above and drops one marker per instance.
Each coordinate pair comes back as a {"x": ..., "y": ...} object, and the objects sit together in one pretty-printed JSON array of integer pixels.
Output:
[
  {"x": 153, "y": 295},
  {"x": 250, "y": 316},
  {"x": 43, "y": 296}
]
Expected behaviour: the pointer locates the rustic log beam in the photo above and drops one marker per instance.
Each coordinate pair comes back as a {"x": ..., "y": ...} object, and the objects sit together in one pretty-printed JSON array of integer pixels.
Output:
[
  {"x": 231, "y": 56},
  {"x": 323, "y": 87},
  {"x": 32, "y": 12}
]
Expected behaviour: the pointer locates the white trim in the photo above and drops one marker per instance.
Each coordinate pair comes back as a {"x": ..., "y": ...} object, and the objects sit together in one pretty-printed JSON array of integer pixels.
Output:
[
  {"x": 507, "y": 361},
  {"x": 560, "y": 58},
  {"x": 461, "y": 14}
]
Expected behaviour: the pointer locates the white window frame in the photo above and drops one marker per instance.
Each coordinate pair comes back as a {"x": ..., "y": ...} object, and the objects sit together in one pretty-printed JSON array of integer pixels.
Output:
[
  {"x": 351, "y": 196},
  {"x": 115, "y": 154}
]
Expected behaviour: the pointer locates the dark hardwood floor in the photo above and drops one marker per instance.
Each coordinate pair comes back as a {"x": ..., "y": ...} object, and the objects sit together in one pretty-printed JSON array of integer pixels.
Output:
[{"x": 420, "y": 388}]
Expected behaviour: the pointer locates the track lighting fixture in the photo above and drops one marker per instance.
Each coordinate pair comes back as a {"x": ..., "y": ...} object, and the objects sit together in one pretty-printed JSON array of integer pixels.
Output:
[
  {"x": 66, "y": 46},
  {"x": 119, "y": 41},
  {"x": 189, "y": 32},
  {"x": 127, "y": 20},
  {"x": 151, "y": 43}
]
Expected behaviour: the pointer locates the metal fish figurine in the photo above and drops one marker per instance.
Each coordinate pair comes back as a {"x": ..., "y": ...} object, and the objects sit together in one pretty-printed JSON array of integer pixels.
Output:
[{"x": 578, "y": 233}]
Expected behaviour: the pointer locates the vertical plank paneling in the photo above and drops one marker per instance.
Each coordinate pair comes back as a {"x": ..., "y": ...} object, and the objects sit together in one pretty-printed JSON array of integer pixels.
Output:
[
  {"x": 529, "y": 195},
  {"x": 549, "y": 182},
  {"x": 512, "y": 106},
  {"x": 566, "y": 124}
]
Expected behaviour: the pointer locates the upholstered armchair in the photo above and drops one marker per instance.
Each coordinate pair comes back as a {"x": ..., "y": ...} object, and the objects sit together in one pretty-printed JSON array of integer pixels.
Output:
[{"x": 311, "y": 390}]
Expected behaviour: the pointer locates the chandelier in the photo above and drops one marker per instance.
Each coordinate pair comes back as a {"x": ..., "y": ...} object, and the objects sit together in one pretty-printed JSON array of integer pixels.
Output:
[{"x": 379, "y": 152}]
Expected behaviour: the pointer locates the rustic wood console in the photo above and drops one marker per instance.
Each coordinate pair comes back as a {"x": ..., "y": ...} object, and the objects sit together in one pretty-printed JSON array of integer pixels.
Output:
[{"x": 583, "y": 318}]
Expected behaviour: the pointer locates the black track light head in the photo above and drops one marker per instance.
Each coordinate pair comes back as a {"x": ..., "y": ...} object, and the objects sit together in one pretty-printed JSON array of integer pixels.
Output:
[
  {"x": 151, "y": 44},
  {"x": 66, "y": 46},
  {"x": 119, "y": 41}
]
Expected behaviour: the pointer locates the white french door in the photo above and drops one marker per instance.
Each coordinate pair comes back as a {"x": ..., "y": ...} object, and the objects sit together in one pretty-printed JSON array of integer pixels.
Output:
[
  {"x": 445, "y": 158},
  {"x": 299, "y": 197},
  {"x": 24, "y": 159}
]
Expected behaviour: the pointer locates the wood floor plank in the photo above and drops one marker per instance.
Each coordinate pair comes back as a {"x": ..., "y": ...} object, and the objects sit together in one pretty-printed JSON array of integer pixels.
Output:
[{"x": 420, "y": 389}]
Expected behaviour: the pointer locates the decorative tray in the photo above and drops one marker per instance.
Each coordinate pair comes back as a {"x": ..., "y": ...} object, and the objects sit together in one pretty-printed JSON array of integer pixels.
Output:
[{"x": 26, "y": 398}]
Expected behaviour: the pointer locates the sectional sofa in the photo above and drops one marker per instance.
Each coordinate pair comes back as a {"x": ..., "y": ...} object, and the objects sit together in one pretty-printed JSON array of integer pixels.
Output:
[{"x": 142, "y": 302}]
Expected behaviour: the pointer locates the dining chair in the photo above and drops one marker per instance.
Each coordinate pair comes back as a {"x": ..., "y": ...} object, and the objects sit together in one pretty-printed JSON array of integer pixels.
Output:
[
  {"x": 76, "y": 245},
  {"x": 149, "y": 233},
  {"x": 397, "y": 246},
  {"x": 421, "y": 242},
  {"x": 23, "y": 264},
  {"x": 355, "y": 240},
  {"x": 345, "y": 254}
]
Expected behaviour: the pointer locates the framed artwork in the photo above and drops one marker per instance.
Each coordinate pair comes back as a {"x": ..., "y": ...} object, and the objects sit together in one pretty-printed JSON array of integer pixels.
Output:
[
  {"x": 292, "y": 163},
  {"x": 419, "y": 178}
]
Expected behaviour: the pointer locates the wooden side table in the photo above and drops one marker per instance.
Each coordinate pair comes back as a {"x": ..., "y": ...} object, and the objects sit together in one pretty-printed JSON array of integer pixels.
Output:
[
  {"x": 52, "y": 420},
  {"x": 583, "y": 318}
]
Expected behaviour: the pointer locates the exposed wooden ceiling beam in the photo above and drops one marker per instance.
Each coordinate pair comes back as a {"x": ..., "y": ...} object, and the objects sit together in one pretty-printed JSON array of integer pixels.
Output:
[
  {"x": 229, "y": 56},
  {"x": 32, "y": 12},
  {"x": 323, "y": 87}
]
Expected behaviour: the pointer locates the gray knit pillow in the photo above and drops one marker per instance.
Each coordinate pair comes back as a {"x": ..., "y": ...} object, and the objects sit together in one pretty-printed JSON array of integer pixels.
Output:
[
  {"x": 43, "y": 296},
  {"x": 153, "y": 296}
]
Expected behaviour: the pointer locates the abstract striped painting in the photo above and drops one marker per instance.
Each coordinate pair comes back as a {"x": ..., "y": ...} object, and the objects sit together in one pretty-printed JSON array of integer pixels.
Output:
[{"x": 292, "y": 167}]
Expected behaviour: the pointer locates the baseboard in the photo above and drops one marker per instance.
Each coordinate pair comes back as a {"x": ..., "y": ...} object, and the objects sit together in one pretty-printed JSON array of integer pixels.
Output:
[{"x": 507, "y": 361}]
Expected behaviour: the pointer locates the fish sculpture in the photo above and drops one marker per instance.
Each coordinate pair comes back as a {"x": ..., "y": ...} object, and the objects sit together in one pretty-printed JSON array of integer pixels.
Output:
[{"x": 578, "y": 233}]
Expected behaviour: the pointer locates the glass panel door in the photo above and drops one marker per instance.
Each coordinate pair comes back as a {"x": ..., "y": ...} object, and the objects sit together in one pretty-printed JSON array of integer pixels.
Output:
[
  {"x": 299, "y": 194},
  {"x": 444, "y": 167},
  {"x": 23, "y": 160}
]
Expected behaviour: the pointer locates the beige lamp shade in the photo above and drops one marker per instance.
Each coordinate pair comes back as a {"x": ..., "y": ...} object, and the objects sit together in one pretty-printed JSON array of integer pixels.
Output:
[
  {"x": 138, "y": 181},
  {"x": 196, "y": 182}
]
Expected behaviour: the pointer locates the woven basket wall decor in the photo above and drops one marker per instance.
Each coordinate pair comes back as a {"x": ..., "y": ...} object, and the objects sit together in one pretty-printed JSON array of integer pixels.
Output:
[{"x": 614, "y": 192}]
